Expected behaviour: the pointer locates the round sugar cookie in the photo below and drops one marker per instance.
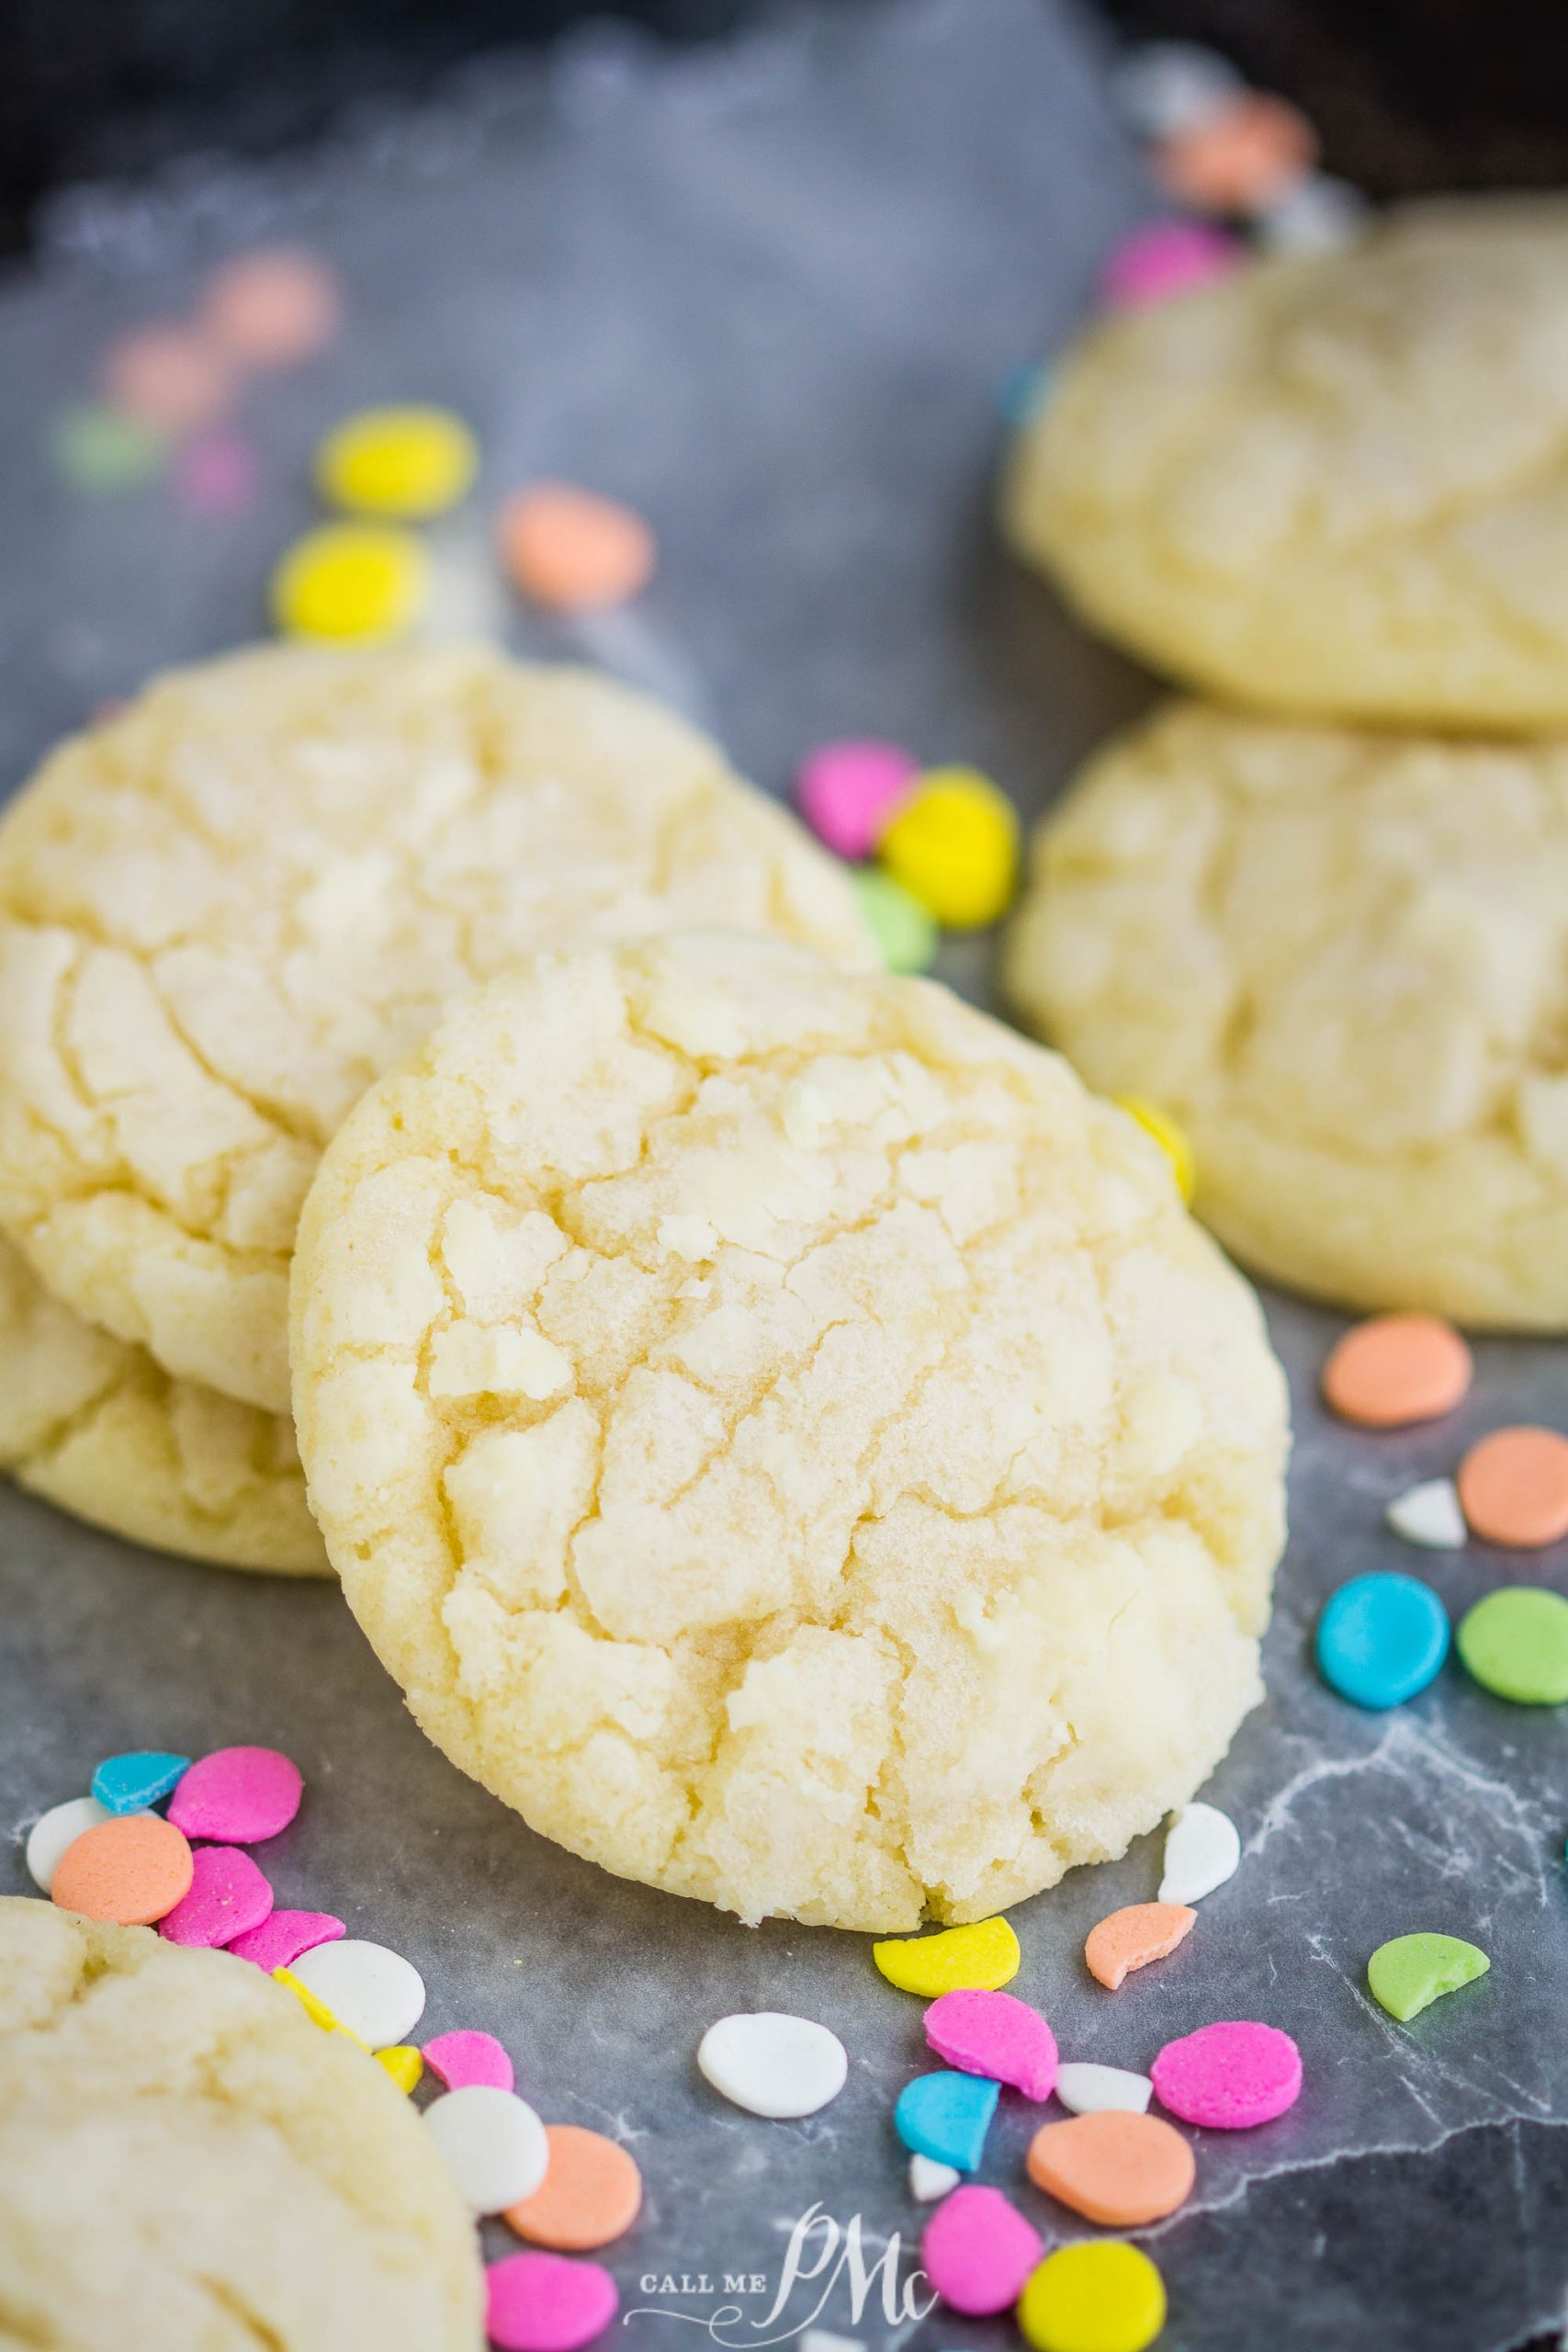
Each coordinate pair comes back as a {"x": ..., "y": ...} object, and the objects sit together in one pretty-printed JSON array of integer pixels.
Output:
[
  {"x": 786, "y": 1437},
  {"x": 92, "y": 1424},
  {"x": 189, "y": 2161},
  {"x": 1340, "y": 962},
  {"x": 228, "y": 909},
  {"x": 1333, "y": 485}
]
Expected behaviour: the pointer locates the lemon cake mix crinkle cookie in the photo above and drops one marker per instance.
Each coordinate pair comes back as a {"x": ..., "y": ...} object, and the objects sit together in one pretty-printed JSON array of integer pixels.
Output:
[
  {"x": 225, "y": 912},
  {"x": 186, "y": 2161},
  {"x": 1340, "y": 961},
  {"x": 783, "y": 1434},
  {"x": 1336, "y": 485},
  {"x": 95, "y": 1426}
]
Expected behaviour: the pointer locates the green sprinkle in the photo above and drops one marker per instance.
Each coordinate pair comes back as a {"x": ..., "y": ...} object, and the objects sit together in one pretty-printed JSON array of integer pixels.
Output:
[
  {"x": 907, "y": 933},
  {"x": 1412, "y": 1972},
  {"x": 97, "y": 449},
  {"x": 1515, "y": 1643}
]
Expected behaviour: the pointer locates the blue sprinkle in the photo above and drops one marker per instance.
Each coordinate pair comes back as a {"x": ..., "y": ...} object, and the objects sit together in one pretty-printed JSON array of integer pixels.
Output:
[
  {"x": 946, "y": 2117},
  {"x": 1022, "y": 391},
  {"x": 130, "y": 1784},
  {"x": 1382, "y": 1639}
]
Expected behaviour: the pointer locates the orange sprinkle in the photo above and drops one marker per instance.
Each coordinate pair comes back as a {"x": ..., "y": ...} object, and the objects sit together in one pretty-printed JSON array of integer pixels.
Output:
[
  {"x": 272, "y": 308},
  {"x": 1513, "y": 1488},
  {"x": 591, "y": 2192},
  {"x": 1396, "y": 1369},
  {"x": 1240, "y": 161},
  {"x": 573, "y": 549},
  {"x": 1114, "y": 2168},
  {"x": 131, "y": 1870},
  {"x": 1131, "y": 1938},
  {"x": 170, "y": 378}
]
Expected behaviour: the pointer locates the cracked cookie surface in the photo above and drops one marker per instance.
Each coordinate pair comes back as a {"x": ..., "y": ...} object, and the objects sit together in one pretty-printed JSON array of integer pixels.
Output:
[
  {"x": 1336, "y": 486},
  {"x": 1340, "y": 960},
  {"x": 225, "y": 912},
  {"x": 189, "y": 2165},
  {"x": 786, "y": 1437},
  {"x": 92, "y": 1424}
]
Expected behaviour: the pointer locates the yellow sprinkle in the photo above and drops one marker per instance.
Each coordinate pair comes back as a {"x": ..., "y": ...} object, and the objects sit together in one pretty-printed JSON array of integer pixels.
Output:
[
  {"x": 404, "y": 462},
  {"x": 1101, "y": 2295},
  {"x": 953, "y": 843},
  {"x": 350, "y": 582},
  {"x": 1169, "y": 1137},
  {"x": 403, "y": 2063},
  {"x": 983, "y": 1956},
  {"x": 315, "y": 2009}
]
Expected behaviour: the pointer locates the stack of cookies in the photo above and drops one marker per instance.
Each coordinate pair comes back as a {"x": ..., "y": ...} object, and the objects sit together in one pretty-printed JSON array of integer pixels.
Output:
[{"x": 1324, "y": 926}]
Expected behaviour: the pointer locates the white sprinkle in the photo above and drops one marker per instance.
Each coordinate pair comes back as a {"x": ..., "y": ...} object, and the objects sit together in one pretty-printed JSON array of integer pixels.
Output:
[
  {"x": 492, "y": 2143},
  {"x": 1165, "y": 87},
  {"x": 377, "y": 1993},
  {"x": 773, "y": 2064},
  {"x": 55, "y": 1830},
  {"x": 929, "y": 2180},
  {"x": 1319, "y": 215},
  {"x": 1086, "y": 2089},
  {"x": 823, "y": 2339},
  {"x": 1201, "y": 1850},
  {"x": 1429, "y": 1515}
]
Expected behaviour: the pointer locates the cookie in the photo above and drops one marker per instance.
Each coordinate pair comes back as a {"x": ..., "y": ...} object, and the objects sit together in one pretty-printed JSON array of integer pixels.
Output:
[
  {"x": 224, "y": 912},
  {"x": 786, "y": 1437},
  {"x": 1340, "y": 962},
  {"x": 92, "y": 1424},
  {"x": 1335, "y": 486},
  {"x": 187, "y": 2161}
]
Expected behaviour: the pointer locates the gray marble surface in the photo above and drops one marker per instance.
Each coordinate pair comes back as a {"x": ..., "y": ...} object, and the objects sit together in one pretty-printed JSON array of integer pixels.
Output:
[{"x": 768, "y": 294}]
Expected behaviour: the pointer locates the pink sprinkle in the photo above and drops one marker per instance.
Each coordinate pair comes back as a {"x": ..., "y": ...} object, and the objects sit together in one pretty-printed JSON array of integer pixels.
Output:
[
  {"x": 228, "y": 1897},
  {"x": 847, "y": 791},
  {"x": 977, "y": 2250},
  {"x": 1165, "y": 258},
  {"x": 469, "y": 2057},
  {"x": 1229, "y": 2076},
  {"x": 539, "y": 2302},
  {"x": 280, "y": 1939},
  {"x": 994, "y": 2034},
  {"x": 217, "y": 475},
  {"x": 238, "y": 1795}
]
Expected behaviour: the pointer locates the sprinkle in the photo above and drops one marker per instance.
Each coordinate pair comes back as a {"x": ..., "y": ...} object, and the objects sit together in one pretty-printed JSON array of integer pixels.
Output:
[
  {"x": 1169, "y": 1137},
  {"x": 953, "y": 843},
  {"x": 1088, "y": 2089},
  {"x": 977, "y": 2250},
  {"x": 771, "y": 2063},
  {"x": 463, "y": 2057},
  {"x": 1164, "y": 86},
  {"x": 491, "y": 2143},
  {"x": 573, "y": 549},
  {"x": 847, "y": 791},
  {"x": 1396, "y": 1370},
  {"x": 1203, "y": 1849},
  {"x": 946, "y": 2117},
  {"x": 239, "y": 1795},
  {"x": 1382, "y": 1639},
  {"x": 402, "y": 464},
  {"x": 1246, "y": 159},
  {"x": 53, "y": 1831},
  {"x": 1515, "y": 1642},
  {"x": 280, "y": 1940},
  {"x": 908, "y": 937},
  {"x": 539, "y": 2302},
  {"x": 1514, "y": 1487},
  {"x": 1319, "y": 215},
  {"x": 1166, "y": 258},
  {"x": 929, "y": 2180},
  {"x": 170, "y": 379},
  {"x": 97, "y": 450},
  {"x": 1024, "y": 390},
  {"x": 272, "y": 308},
  {"x": 217, "y": 475},
  {"x": 130, "y": 1784},
  {"x": 314, "y": 2008},
  {"x": 991, "y": 2033},
  {"x": 983, "y": 1955},
  {"x": 227, "y": 1896},
  {"x": 1430, "y": 1514},
  {"x": 1412, "y": 1972},
  {"x": 591, "y": 2192},
  {"x": 131, "y": 1870},
  {"x": 404, "y": 2064},
  {"x": 1117, "y": 2168},
  {"x": 350, "y": 582},
  {"x": 1132, "y": 1938},
  {"x": 374, "y": 1992},
  {"x": 1100, "y": 2296},
  {"x": 1229, "y": 2076}
]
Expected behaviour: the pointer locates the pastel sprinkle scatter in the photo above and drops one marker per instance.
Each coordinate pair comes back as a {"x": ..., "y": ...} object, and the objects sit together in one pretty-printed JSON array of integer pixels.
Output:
[
  {"x": 1513, "y": 1488},
  {"x": 983, "y": 1955},
  {"x": 1246, "y": 159},
  {"x": 97, "y": 450},
  {"x": 227, "y": 1896},
  {"x": 1381, "y": 1638},
  {"x": 273, "y": 308},
  {"x": 1203, "y": 1849},
  {"x": 171, "y": 379},
  {"x": 953, "y": 843},
  {"x": 929, "y": 2180},
  {"x": 983, "y": 2032},
  {"x": 239, "y": 1795},
  {"x": 1162, "y": 1127},
  {"x": 977, "y": 2250},
  {"x": 1430, "y": 1514},
  {"x": 1515, "y": 1644},
  {"x": 402, "y": 464},
  {"x": 572, "y": 550},
  {"x": 1090, "y": 2089},
  {"x": 53, "y": 1831},
  {"x": 466, "y": 2056},
  {"x": 1101, "y": 2295},
  {"x": 404, "y": 2064},
  {"x": 946, "y": 2117},
  {"x": 131, "y": 1870},
  {"x": 377, "y": 1993},
  {"x": 592, "y": 2193},
  {"x": 907, "y": 936},
  {"x": 130, "y": 1784},
  {"x": 1132, "y": 1938},
  {"x": 216, "y": 475},
  {"x": 1230, "y": 2076},
  {"x": 847, "y": 791},
  {"x": 1164, "y": 86},
  {"x": 1167, "y": 258},
  {"x": 491, "y": 2143},
  {"x": 542, "y": 2302},
  {"x": 1393, "y": 1371},
  {"x": 1409, "y": 1974},
  {"x": 281, "y": 1939},
  {"x": 1120, "y": 2169},
  {"x": 771, "y": 2063},
  {"x": 350, "y": 584}
]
